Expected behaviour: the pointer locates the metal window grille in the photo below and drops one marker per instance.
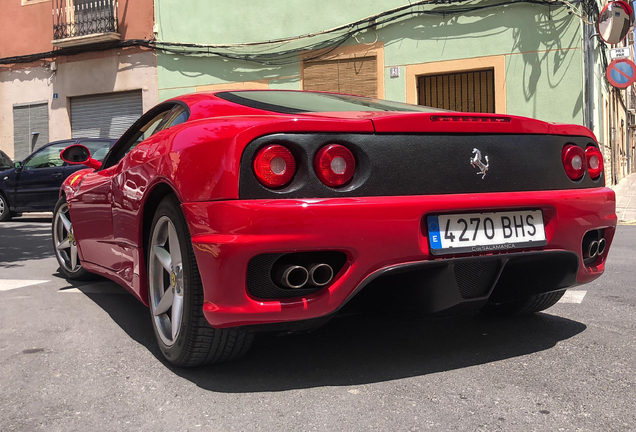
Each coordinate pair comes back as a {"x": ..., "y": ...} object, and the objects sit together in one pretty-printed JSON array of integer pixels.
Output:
[
  {"x": 466, "y": 91},
  {"x": 83, "y": 17}
]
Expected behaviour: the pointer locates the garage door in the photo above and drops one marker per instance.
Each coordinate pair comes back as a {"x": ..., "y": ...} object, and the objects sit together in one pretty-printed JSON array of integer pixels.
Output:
[
  {"x": 30, "y": 128},
  {"x": 104, "y": 115}
]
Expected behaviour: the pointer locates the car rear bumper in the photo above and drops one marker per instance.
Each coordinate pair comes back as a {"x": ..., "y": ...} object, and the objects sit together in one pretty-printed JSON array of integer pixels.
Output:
[{"x": 379, "y": 236}]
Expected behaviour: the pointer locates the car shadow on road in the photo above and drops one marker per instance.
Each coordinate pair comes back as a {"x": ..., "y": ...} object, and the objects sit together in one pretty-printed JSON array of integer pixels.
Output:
[
  {"x": 25, "y": 240},
  {"x": 354, "y": 349},
  {"x": 359, "y": 349}
]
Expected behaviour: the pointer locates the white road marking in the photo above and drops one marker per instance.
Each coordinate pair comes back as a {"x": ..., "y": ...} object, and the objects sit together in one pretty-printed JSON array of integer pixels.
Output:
[
  {"x": 571, "y": 296},
  {"x": 96, "y": 288},
  {"x": 9, "y": 284}
]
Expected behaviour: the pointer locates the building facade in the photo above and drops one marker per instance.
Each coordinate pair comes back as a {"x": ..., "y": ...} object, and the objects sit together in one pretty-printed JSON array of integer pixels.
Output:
[
  {"x": 90, "y": 67},
  {"x": 524, "y": 58},
  {"x": 68, "y": 69}
]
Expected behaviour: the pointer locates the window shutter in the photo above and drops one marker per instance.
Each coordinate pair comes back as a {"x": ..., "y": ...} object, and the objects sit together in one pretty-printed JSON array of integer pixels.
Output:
[{"x": 357, "y": 76}]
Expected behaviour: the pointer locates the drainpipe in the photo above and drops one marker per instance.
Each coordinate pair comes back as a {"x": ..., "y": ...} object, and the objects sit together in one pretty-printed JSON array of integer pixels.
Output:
[
  {"x": 627, "y": 144},
  {"x": 588, "y": 66}
]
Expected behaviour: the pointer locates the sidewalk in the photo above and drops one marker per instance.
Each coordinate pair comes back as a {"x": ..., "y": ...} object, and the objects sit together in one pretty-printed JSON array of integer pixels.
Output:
[{"x": 626, "y": 199}]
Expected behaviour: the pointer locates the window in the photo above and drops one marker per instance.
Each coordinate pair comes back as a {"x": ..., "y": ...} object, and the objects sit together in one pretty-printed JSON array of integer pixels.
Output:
[
  {"x": 357, "y": 76},
  {"x": 467, "y": 91},
  {"x": 176, "y": 116},
  {"x": 292, "y": 102},
  {"x": 47, "y": 157},
  {"x": 5, "y": 161},
  {"x": 98, "y": 149},
  {"x": 351, "y": 69},
  {"x": 145, "y": 127}
]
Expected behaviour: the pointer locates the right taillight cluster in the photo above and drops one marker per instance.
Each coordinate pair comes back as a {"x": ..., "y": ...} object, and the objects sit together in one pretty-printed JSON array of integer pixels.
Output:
[
  {"x": 275, "y": 165},
  {"x": 577, "y": 161}
]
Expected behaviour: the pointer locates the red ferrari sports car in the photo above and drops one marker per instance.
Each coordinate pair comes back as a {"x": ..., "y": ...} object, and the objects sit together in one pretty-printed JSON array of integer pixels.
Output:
[{"x": 233, "y": 212}]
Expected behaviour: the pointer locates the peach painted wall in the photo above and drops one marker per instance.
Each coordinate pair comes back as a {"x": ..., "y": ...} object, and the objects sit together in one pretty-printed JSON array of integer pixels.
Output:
[
  {"x": 28, "y": 29},
  {"x": 25, "y": 29}
]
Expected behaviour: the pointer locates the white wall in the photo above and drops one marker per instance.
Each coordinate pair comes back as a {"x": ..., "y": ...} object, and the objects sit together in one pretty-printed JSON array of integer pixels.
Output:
[{"x": 112, "y": 71}]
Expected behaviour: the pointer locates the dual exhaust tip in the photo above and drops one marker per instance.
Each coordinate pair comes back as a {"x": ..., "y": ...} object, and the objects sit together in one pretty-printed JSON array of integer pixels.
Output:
[
  {"x": 595, "y": 248},
  {"x": 297, "y": 276}
]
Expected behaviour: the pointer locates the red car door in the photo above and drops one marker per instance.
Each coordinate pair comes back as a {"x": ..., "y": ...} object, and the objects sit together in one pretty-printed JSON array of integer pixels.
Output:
[
  {"x": 99, "y": 200},
  {"x": 91, "y": 214}
]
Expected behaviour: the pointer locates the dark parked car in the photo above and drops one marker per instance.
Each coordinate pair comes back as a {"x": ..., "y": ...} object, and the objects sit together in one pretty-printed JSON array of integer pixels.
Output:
[
  {"x": 34, "y": 184},
  {"x": 5, "y": 161}
]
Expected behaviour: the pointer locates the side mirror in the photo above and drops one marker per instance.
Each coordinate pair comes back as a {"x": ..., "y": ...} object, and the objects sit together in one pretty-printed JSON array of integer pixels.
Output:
[
  {"x": 614, "y": 21},
  {"x": 78, "y": 154},
  {"x": 17, "y": 165}
]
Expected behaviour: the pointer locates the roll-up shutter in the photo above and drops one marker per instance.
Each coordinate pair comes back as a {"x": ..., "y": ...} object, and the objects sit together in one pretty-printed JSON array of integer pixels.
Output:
[
  {"x": 30, "y": 128},
  {"x": 105, "y": 115},
  {"x": 357, "y": 76}
]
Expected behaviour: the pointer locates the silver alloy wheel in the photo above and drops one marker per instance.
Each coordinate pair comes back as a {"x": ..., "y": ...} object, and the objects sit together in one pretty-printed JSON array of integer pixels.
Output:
[
  {"x": 2, "y": 207},
  {"x": 64, "y": 240},
  {"x": 166, "y": 285}
]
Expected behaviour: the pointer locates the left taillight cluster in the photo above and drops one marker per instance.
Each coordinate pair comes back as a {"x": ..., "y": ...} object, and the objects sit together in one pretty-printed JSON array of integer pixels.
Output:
[
  {"x": 577, "y": 161},
  {"x": 275, "y": 165}
]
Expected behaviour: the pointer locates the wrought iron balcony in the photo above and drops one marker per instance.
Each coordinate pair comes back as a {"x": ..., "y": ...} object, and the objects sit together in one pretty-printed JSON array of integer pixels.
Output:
[{"x": 82, "y": 22}]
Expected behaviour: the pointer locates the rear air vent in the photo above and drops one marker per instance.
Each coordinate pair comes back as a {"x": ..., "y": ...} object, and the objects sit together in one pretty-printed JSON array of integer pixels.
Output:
[{"x": 475, "y": 278}]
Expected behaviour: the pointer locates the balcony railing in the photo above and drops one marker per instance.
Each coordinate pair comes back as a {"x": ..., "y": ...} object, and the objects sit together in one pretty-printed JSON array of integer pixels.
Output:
[{"x": 78, "y": 22}]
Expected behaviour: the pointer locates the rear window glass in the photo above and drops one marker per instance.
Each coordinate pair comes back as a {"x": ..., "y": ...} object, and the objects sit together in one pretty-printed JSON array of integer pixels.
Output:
[
  {"x": 5, "y": 161},
  {"x": 296, "y": 102}
]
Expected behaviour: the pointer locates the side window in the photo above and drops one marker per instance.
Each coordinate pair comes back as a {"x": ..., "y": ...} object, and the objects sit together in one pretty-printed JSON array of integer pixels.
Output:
[
  {"x": 176, "y": 116},
  {"x": 136, "y": 135},
  {"x": 47, "y": 157},
  {"x": 98, "y": 148}
]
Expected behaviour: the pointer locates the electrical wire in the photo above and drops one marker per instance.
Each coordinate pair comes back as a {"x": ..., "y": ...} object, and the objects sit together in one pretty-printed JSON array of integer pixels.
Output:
[{"x": 271, "y": 52}]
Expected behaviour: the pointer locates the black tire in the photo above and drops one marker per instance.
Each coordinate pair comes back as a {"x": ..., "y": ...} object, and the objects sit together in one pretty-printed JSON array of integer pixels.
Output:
[
  {"x": 196, "y": 343},
  {"x": 63, "y": 236},
  {"x": 530, "y": 305},
  {"x": 5, "y": 212}
]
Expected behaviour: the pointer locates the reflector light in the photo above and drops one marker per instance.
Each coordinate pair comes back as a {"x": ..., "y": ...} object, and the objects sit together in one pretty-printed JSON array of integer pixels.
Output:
[
  {"x": 480, "y": 119},
  {"x": 335, "y": 165},
  {"x": 574, "y": 162},
  {"x": 274, "y": 166},
  {"x": 594, "y": 161}
]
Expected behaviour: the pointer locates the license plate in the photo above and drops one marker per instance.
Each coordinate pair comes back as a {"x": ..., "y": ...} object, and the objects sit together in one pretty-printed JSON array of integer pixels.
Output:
[{"x": 485, "y": 232}]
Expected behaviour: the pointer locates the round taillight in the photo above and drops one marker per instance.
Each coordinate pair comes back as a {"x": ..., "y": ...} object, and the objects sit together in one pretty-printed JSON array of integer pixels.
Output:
[
  {"x": 335, "y": 165},
  {"x": 274, "y": 166},
  {"x": 594, "y": 162},
  {"x": 574, "y": 162}
]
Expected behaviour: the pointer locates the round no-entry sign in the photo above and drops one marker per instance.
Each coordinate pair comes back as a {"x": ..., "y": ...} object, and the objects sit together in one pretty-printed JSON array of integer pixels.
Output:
[{"x": 621, "y": 73}]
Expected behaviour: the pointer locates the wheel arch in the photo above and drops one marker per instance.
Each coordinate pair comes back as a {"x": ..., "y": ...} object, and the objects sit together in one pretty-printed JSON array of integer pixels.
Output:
[
  {"x": 9, "y": 210},
  {"x": 156, "y": 195},
  {"x": 6, "y": 198}
]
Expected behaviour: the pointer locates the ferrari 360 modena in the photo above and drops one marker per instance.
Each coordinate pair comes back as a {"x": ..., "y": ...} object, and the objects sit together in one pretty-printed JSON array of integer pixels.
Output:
[{"x": 234, "y": 212}]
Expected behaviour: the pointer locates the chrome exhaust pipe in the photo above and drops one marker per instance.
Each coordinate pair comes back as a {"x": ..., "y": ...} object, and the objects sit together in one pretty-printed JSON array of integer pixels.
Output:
[
  {"x": 294, "y": 276},
  {"x": 320, "y": 274},
  {"x": 601, "y": 246},
  {"x": 592, "y": 249}
]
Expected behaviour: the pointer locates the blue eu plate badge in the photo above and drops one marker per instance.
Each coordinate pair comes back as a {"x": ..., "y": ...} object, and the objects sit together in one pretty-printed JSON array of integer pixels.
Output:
[{"x": 433, "y": 232}]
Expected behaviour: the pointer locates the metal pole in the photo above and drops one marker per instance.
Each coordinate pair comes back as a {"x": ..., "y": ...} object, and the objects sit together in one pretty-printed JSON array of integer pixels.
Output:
[{"x": 588, "y": 59}]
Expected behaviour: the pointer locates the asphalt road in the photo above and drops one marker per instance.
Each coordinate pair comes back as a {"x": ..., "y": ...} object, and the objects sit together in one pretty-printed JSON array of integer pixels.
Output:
[{"x": 82, "y": 357}]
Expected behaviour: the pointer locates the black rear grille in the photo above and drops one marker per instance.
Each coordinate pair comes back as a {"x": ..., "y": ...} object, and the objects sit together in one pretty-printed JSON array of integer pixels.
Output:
[
  {"x": 420, "y": 164},
  {"x": 475, "y": 279}
]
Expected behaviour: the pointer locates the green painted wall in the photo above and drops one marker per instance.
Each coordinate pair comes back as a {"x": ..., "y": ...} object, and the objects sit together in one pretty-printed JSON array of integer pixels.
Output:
[{"x": 544, "y": 61}]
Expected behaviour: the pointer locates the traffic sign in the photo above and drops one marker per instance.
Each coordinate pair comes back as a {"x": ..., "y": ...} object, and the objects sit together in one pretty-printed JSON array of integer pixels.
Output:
[
  {"x": 621, "y": 73},
  {"x": 616, "y": 53}
]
